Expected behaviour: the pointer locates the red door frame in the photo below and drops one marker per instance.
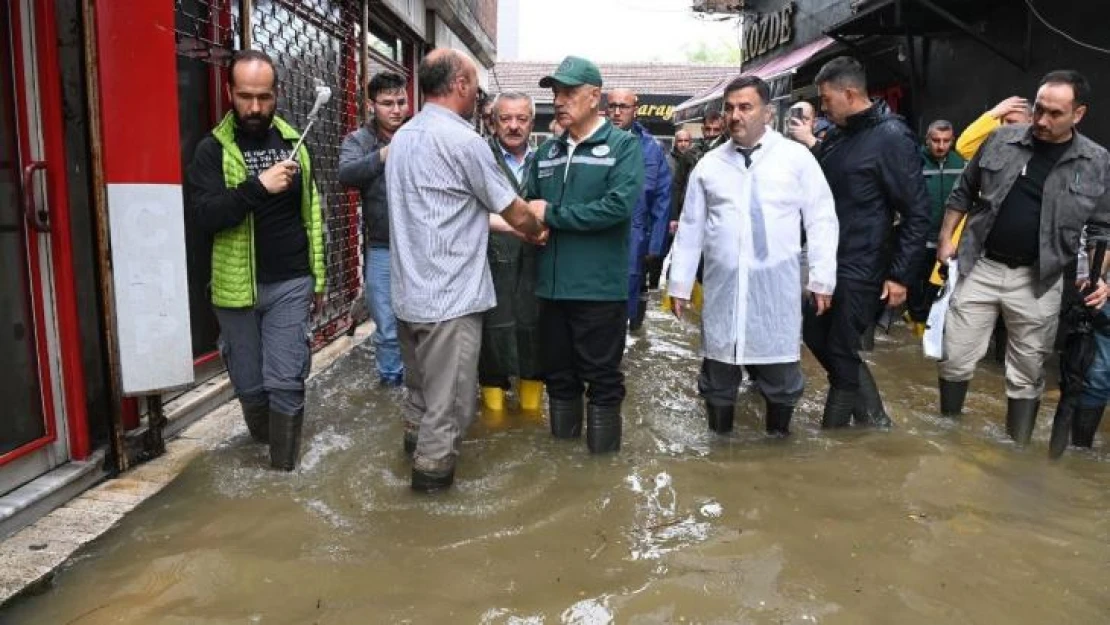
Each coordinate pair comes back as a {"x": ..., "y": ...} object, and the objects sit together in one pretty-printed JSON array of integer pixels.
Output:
[{"x": 61, "y": 241}]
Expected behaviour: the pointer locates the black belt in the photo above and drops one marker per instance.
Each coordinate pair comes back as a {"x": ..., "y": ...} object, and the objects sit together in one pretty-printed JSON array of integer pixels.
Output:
[{"x": 1013, "y": 262}]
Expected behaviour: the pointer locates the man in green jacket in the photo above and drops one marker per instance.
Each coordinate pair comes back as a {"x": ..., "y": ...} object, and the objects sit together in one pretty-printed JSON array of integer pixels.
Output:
[
  {"x": 942, "y": 168},
  {"x": 590, "y": 178},
  {"x": 263, "y": 211}
]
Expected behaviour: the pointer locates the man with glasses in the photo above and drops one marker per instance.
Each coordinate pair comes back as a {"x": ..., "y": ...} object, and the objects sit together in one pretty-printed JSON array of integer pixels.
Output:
[
  {"x": 362, "y": 161},
  {"x": 591, "y": 177},
  {"x": 650, "y": 217}
]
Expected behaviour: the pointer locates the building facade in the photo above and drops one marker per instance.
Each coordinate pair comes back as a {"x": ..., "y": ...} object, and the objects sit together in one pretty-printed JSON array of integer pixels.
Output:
[
  {"x": 929, "y": 59},
  {"x": 104, "y": 278}
]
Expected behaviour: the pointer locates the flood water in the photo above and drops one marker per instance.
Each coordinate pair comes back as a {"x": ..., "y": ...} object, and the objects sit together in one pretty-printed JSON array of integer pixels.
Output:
[{"x": 936, "y": 521}]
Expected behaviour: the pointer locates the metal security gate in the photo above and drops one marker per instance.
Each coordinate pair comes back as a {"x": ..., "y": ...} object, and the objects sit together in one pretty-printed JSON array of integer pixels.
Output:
[
  {"x": 312, "y": 40},
  {"x": 309, "y": 40}
]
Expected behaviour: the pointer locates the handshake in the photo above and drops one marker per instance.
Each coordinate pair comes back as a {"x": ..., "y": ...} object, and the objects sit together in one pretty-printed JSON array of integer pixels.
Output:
[
  {"x": 537, "y": 209},
  {"x": 523, "y": 220}
]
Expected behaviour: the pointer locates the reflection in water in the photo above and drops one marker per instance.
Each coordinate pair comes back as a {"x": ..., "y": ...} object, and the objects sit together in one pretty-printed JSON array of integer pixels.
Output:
[{"x": 937, "y": 521}]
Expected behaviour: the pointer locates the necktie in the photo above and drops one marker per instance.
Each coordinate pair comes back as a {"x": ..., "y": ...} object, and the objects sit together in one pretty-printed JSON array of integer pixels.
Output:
[
  {"x": 759, "y": 229},
  {"x": 747, "y": 154}
]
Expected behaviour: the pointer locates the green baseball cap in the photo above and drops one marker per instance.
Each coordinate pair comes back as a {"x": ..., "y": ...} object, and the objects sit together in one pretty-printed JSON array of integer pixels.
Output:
[{"x": 573, "y": 71}]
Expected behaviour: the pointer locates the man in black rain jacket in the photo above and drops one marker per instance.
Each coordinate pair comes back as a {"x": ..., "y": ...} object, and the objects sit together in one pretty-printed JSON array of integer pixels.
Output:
[{"x": 873, "y": 167}]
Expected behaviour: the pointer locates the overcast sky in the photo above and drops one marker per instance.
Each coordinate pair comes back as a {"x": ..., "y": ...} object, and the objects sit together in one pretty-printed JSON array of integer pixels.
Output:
[{"x": 610, "y": 30}]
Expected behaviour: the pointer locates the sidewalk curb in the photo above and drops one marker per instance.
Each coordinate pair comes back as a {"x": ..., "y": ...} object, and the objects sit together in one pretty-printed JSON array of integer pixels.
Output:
[{"x": 199, "y": 420}]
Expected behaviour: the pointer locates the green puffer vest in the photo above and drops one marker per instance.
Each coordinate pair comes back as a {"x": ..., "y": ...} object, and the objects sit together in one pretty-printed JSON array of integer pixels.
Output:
[{"x": 233, "y": 260}]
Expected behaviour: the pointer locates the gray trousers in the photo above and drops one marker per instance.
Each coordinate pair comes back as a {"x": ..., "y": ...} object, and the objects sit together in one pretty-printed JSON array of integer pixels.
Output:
[
  {"x": 990, "y": 290},
  {"x": 441, "y": 375},
  {"x": 780, "y": 383},
  {"x": 267, "y": 349}
]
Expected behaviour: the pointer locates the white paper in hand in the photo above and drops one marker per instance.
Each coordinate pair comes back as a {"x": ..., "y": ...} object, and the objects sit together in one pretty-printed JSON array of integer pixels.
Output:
[{"x": 933, "y": 341}]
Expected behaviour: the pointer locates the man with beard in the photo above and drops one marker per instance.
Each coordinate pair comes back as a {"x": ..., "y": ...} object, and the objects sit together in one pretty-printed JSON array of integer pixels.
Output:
[
  {"x": 1028, "y": 194},
  {"x": 872, "y": 164},
  {"x": 263, "y": 210},
  {"x": 746, "y": 202},
  {"x": 510, "y": 345},
  {"x": 650, "y": 216},
  {"x": 362, "y": 161},
  {"x": 712, "y": 133},
  {"x": 445, "y": 193}
]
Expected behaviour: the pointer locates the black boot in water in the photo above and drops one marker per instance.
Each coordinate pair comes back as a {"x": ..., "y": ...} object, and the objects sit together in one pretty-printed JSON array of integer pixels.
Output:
[
  {"x": 409, "y": 439},
  {"x": 257, "y": 416},
  {"x": 778, "y": 419},
  {"x": 429, "y": 476},
  {"x": 603, "y": 428},
  {"x": 720, "y": 417},
  {"x": 566, "y": 417},
  {"x": 1021, "y": 416},
  {"x": 952, "y": 395},
  {"x": 839, "y": 404},
  {"x": 285, "y": 439},
  {"x": 869, "y": 410},
  {"x": 1085, "y": 424}
]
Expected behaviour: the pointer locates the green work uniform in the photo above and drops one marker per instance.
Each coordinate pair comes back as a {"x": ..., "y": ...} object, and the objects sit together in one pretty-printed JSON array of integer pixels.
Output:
[{"x": 589, "y": 210}]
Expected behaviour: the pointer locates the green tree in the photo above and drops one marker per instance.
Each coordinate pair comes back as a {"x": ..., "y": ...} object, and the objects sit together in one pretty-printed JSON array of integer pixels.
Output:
[{"x": 720, "y": 52}]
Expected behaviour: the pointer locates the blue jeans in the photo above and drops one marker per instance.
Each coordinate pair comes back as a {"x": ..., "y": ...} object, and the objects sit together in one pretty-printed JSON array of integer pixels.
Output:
[
  {"x": 1096, "y": 389},
  {"x": 387, "y": 351}
]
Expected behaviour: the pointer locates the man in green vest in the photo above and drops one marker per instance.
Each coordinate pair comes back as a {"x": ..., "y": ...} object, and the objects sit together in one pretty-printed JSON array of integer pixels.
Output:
[
  {"x": 510, "y": 346},
  {"x": 262, "y": 209}
]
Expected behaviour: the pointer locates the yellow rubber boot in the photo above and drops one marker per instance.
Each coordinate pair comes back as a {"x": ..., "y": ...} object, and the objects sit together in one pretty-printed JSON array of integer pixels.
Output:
[
  {"x": 531, "y": 395},
  {"x": 493, "y": 398}
]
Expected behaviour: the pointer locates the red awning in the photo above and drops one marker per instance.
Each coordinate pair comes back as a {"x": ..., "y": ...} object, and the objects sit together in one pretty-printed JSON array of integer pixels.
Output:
[{"x": 790, "y": 61}]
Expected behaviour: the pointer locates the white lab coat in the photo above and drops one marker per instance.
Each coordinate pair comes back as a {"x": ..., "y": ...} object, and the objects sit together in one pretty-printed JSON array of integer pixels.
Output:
[{"x": 752, "y": 313}]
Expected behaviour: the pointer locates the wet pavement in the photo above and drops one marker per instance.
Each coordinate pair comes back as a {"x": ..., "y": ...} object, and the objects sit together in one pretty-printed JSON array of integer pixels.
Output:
[{"x": 937, "y": 521}]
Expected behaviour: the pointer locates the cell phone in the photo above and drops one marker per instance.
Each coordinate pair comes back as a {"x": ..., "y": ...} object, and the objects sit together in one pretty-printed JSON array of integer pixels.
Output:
[{"x": 797, "y": 113}]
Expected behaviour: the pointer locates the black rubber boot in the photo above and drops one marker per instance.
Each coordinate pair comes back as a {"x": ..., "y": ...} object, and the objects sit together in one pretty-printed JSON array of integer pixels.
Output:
[
  {"x": 409, "y": 441},
  {"x": 1084, "y": 426},
  {"x": 432, "y": 477},
  {"x": 952, "y": 395},
  {"x": 257, "y": 416},
  {"x": 839, "y": 404},
  {"x": 720, "y": 417},
  {"x": 778, "y": 419},
  {"x": 1021, "y": 416},
  {"x": 285, "y": 439},
  {"x": 566, "y": 417},
  {"x": 869, "y": 410},
  {"x": 637, "y": 320},
  {"x": 603, "y": 428}
]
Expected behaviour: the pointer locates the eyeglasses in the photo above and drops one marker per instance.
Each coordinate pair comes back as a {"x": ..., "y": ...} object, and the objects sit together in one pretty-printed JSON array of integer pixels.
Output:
[
  {"x": 617, "y": 106},
  {"x": 391, "y": 104}
]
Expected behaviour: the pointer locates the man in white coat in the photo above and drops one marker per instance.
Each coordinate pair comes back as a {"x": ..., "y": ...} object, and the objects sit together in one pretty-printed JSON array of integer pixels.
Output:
[{"x": 745, "y": 205}]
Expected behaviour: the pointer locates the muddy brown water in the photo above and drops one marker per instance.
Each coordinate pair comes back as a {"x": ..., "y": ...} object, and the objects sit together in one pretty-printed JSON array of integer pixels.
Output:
[{"x": 937, "y": 521}]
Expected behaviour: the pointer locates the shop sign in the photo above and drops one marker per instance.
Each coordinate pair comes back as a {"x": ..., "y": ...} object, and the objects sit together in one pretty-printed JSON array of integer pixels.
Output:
[
  {"x": 655, "y": 107},
  {"x": 767, "y": 31}
]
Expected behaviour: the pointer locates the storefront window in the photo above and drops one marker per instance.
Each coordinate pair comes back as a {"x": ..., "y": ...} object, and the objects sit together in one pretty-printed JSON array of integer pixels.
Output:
[{"x": 389, "y": 46}]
